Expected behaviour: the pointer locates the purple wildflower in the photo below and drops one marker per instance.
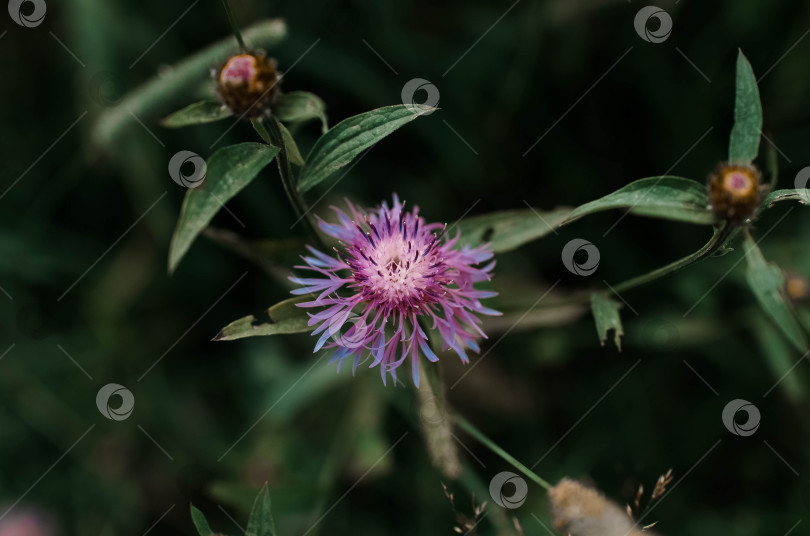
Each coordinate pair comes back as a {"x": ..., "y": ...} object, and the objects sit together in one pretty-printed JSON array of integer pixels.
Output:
[{"x": 392, "y": 270}]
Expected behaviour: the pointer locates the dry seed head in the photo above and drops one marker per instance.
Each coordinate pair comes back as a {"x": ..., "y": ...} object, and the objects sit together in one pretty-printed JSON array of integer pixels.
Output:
[
  {"x": 248, "y": 84},
  {"x": 735, "y": 191},
  {"x": 579, "y": 510}
]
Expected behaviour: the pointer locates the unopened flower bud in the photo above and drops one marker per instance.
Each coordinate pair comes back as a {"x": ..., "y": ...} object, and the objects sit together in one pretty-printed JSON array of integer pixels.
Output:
[
  {"x": 735, "y": 191},
  {"x": 248, "y": 84}
]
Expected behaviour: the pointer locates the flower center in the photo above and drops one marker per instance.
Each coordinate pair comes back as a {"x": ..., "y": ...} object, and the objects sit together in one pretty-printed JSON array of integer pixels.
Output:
[
  {"x": 738, "y": 183},
  {"x": 239, "y": 69},
  {"x": 401, "y": 273}
]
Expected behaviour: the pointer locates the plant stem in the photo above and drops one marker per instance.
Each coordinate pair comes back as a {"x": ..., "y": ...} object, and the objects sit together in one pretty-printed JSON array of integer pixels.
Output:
[
  {"x": 720, "y": 237},
  {"x": 234, "y": 26},
  {"x": 272, "y": 132},
  {"x": 715, "y": 242},
  {"x": 465, "y": 425}
]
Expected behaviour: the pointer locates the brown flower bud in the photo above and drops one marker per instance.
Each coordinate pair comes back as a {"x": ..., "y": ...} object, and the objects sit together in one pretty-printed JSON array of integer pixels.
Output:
[
  {"x": 797, "y": 288},
  {"x": 735, "y": 191},
  {"x": 248, "y": 84}
]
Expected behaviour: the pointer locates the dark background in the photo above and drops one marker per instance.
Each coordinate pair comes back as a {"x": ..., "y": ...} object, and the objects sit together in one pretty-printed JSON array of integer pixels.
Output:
[{"x": 548, "y": 383}]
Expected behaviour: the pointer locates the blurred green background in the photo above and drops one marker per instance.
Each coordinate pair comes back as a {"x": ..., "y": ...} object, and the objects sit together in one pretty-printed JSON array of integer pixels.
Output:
[{"x": 214, "y": 421}]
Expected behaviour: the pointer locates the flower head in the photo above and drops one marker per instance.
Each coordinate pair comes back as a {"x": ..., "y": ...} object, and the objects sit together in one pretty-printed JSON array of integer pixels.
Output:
[
  {"x": 392, "y": 271},
  {"x": 735, "y": 191},
  {"x": 248, "y": 83}
]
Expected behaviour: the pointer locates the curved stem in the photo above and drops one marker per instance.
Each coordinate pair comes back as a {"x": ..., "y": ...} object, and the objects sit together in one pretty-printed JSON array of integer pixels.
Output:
[
  {"x": 465, "y": 425},
  {"x": 715, "y": 242},
  {"x": 234, "y": 26},
  {"x": 720, "y": 237}
]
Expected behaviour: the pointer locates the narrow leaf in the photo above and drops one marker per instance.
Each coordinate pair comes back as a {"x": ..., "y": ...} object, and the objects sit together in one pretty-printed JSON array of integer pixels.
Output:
[
  {"x": 200, "y": 523},
  {"x": 768, "y": 283},
  {"x": 196, "y": 114},
  {"x": 606, "y": 314},
  {"x": 743, "y": 145},
  {"x": 299, "y": 106},
  {"x": 671, "y": 198},
  {"x": 293, "y": 154},
  {"x": 802, "y": 196},
  {"x": 282, "y": 318},
  {"x": 260, "y": 522},
  {"x": 509, "y": 229},
  {"x": 230, "y": 169},
  {"x": 343, "y": 142}
]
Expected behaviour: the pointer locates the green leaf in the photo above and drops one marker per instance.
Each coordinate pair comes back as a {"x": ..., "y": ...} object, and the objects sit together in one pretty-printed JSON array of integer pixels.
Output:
[
  {"x": 509, "y": 229},
  {"x": 299, "y": 106},
  {"x": 606, "y": 314},
  {"x": 768, "y": 283},
  {"x": 230, "y": 169},
  {"x": 200, "y": 522},
  {"x": 673, "y": 198},
  {"x": 260, "y": 522},
  {"x": 670, "y": 198},
  {"x": 779, "y": 356},
  {"x": 196, "y": 114},
  {"x": 293, "y": 154},
  {"x": 343, "y": 142},
  {"x": 743, "y": 145},
  {"x": 802, "y": 196},
  {"x": 282, "y": 318}
]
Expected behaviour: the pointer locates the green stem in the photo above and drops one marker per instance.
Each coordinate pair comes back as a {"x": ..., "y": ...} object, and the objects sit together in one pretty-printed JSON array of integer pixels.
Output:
[
  {"x": 465, "y": 425},
  {"x": 234, "y": 26},
  {"x": 715, "y": 242},
  {"x": 720, "y": 237},
  {"x": 271, "y": 132}
]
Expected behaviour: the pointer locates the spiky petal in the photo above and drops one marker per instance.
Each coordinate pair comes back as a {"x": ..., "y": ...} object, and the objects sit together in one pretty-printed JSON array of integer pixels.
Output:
[{"x": 392, "y": 271}]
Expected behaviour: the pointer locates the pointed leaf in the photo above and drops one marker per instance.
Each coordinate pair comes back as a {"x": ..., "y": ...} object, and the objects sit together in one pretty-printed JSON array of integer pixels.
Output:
[
  {"x": 200, "y": 523},
  {"x": 606, "y": 314},
  {"x": 671, "y": 198},
  {"x": 343, "y": 142},
  {"x": 282, "y": 318},
  {"x": 260, "y": 522},
  {"x": 768, "y": 283},
  {"x": 301, "y": 106},
  {"x": 509, "y": 229},
  {"x": 230, "y": 169},
  {"x": 196, "y": 114},
  {"x": 293, "y": 154},
  {"x": 802, "y": 196},
  {"x": 743, "y": 145}
]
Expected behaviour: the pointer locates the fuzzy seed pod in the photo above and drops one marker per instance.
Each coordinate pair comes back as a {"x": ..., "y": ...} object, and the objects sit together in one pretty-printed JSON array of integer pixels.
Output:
[
  {"x": 248, "y": 84},
  {"x": 735, "y": 191},
  {"x": 579, "y": 510}
]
